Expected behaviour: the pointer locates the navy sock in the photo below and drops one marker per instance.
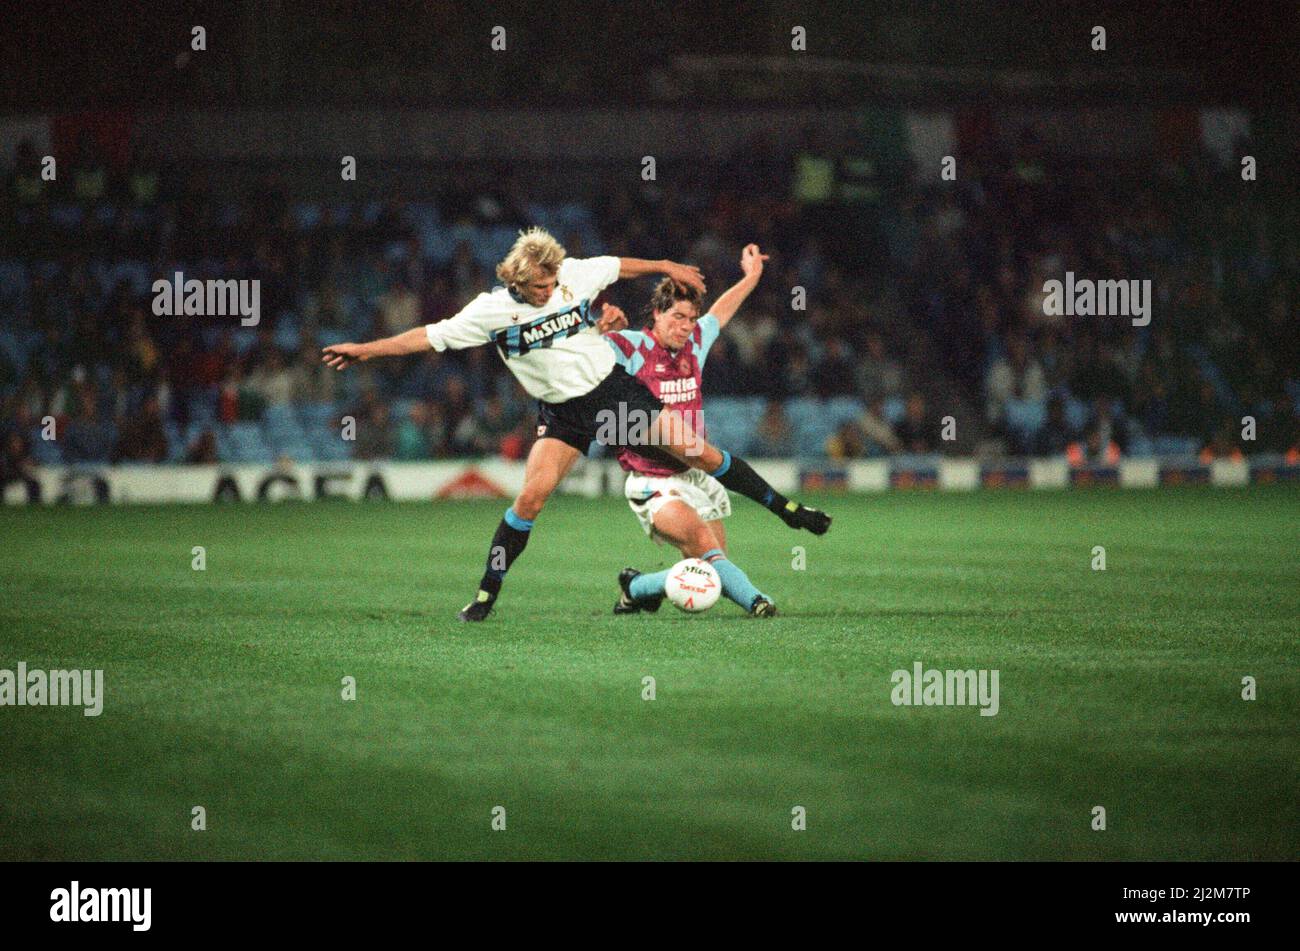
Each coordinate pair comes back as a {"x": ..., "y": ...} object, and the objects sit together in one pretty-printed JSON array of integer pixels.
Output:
[
  {"x": 507, "y": 544},
  {"x": 739, "y": 476}
]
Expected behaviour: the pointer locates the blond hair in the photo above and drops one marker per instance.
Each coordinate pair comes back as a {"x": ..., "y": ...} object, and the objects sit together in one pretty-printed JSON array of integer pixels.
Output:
[{"x": 534, "y": 251}]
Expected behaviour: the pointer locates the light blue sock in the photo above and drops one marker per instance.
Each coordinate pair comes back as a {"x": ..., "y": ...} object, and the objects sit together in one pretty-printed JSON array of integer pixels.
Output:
[
  {"x": 735, "y": 583},
  {"x": 648, "y": 586}
]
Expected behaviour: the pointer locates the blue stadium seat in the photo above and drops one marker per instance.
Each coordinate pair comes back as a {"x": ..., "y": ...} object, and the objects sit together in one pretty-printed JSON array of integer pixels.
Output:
[
  {"x": 1077, "y": 413},
  {"x": 810, "y": 424},
  {"x": 1175, "y": 445},
  {"x": 288, "y": 334},
  {"x": 202, "y": 408},
  {"x": 244, "y": 339},
  {"x": 248, "y": 444},
  {"x": 1140, "y": 446},
  {"x": 844, "y": 409},
  {"x": 894, "y": 409},
  {"x": 436, "y": 243},
  {"x": 13, "y": 284},
  {"x": 175, "y": 442},
  {"x": 318, "y": 415},
  {"x": 1026, "y": 416},
  {"x": 306, "y": 215},
  {"x": 44, "y": 452},
  {"x": 67, "y": 217}
]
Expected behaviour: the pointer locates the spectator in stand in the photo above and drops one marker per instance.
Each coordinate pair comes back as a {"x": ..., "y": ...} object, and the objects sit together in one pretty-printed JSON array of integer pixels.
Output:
[
  {"x": 1016, "y": 376},
  {"x": 1093, "y": 449},
  {"x": 399, "y": 309},
  {"x": 834, "y": 375},
  {"x": 87, "y": 438},
  {"x": 1055, "y": 436},
  {"x": 203, "y": 450},
  {"x": 879, "y": 375},
  {"x": 375, "y": 436},
  {"x": 457, "y": 407},
  {"x": 847, "y": 442},
  {"x": 310, "y": 381},
  {"x": 271, "y": 380},
  {"x": 413, "y": 434},
  {"x": 876, "y": 431},
  {"x": 141, "y": 437},
  {"x": 481, "y": 433},
  {"x": 16, "y": 464},
  {"x": 774, "y": 435},
  {"x": 1223, "y": 445},
  {"x": 917, "y": 432}
]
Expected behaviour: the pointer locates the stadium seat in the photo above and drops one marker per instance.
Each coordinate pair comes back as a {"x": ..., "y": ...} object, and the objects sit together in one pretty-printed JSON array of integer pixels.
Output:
[
  {"x": 248, "y": 444},
  {"x": 202, "y": 408},
  {"x": 288, "y": 334},
  {"x": 45, "y": 452},
  {"x": 1077, "y": 413},
  {"x": 104, "y": 214},
  {"x": 306, "y": 215},
  {"x": 317, "y": 414},
  {"x": 1175, "y": 445},
  {"x": 13, "y": 284},
  {"x": 67, "y": 217},
  {"x": 1026, "y": 416},
  {"x": 844, "y": 409},
  {"x": 1140, "y": 446},
  {"x": 244, "y": 339},
  {"x": 810, "y": 424}
]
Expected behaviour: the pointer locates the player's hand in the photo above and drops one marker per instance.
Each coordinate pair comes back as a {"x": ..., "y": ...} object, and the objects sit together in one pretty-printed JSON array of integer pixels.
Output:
[
  {"x": 687, "y": 274},
  {"x": 611, "y": 318},
  {"x": 751, "y": 260},
  {"x": 340, "y": 356}
]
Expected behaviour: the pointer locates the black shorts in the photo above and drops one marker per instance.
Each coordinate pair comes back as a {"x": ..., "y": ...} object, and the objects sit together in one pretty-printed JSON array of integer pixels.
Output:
[{"x": 580, "y": 420}]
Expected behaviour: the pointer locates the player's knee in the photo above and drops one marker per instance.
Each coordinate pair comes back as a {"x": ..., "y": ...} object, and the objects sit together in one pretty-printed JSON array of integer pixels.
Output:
[
  {"x": 708, "y": 458},
  {"x": 528, "y": 505}
]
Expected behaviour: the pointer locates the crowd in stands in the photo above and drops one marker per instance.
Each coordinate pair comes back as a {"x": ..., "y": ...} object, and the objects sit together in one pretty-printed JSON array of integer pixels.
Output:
[{"x": 900, "y": 314}]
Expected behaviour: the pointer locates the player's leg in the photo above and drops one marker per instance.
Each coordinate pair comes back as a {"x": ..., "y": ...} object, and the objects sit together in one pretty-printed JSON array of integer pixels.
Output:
[
  {"x": 677, "y": 522},
  {"x": 548, "y": 463},
  {"x": 674, "y": 435},
  {"x": 719, "y": 532}
]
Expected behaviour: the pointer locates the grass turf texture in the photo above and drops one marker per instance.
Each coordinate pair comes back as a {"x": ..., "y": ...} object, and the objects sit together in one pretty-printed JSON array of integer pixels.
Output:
[{"x": 1118, "y": 688}]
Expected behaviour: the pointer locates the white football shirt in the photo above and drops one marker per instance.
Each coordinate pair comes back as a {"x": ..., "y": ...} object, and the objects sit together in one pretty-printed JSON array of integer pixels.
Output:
[{"x": 553, "y": 350}]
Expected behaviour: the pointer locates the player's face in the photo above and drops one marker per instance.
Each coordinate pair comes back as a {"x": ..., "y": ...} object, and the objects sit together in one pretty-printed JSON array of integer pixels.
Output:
[
  {"x": 673, "y": 327},
  {"x": 539, "y": 290}
]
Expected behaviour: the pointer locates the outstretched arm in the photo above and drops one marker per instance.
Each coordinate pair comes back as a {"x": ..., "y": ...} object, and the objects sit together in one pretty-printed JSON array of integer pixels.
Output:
[
  {"x": 340, "y": 356},
  {"x": 686, "y": 274},
  {"x": 751, "y": 262}
]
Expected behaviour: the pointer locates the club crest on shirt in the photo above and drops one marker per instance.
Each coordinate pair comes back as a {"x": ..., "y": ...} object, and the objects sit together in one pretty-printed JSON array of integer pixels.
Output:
[{"x": 566, "y": 293}]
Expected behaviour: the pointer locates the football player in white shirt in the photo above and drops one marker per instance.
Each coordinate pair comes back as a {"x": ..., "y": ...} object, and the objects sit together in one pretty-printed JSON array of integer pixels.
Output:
[{"x": 545, "y": 329}]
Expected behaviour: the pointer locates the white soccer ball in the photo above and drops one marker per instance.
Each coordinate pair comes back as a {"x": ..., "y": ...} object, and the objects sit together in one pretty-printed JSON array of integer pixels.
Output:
[{"x": 693, "y": 585}]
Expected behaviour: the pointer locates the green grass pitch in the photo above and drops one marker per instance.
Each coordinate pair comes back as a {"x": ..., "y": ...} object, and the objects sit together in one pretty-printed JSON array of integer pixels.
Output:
[{"x": 1119, "y": 688}]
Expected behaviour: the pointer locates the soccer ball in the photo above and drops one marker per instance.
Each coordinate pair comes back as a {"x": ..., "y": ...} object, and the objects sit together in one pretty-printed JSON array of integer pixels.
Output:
[{"x": 693, "y": 585}]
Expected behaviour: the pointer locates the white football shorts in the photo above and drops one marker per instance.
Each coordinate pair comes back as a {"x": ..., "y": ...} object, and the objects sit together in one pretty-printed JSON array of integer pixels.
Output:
[{"x": 646, "y": 495}]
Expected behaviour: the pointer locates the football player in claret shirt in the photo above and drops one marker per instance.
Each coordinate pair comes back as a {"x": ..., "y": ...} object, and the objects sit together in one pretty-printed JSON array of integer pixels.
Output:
[
  {"x": 543, "y": 325},
  {"x": 673, "y": 502}
]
